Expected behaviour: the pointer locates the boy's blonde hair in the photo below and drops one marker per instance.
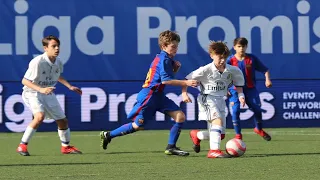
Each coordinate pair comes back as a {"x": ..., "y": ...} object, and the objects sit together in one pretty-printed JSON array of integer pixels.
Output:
[
  {"x": 167, "y": 37},
  {"x": 219, "y": 48}
]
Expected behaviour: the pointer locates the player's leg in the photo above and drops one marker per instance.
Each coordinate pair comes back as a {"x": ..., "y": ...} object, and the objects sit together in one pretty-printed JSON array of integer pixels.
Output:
[
  {"x": 54, "y": 111},
  {"x": 172, "y": 149},
  {"x": 254, "y": 103},
  {"x": 216, "y": 127},
  {"x": 235, "y": 103},
  {"x": 29, "y": 132},
  {"x": 38, "y": 116},
  {"x": 143, "y": 109},
  {"x": 167, "y": 106},
  {"x": 64, "y": 134},
  {"x": 216, "y": 124}
]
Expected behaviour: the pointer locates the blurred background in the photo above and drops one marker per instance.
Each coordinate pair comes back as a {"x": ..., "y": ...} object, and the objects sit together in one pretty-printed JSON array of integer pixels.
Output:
[{"x": 107, "y": 47}]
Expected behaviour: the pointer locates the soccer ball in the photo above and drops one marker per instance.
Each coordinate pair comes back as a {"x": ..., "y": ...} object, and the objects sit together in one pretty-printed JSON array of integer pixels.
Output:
[{"x": 236, "y": 147}]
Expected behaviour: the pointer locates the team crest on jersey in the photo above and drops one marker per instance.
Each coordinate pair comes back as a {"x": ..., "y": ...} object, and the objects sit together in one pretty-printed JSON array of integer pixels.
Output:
[{"x": 229, "y": 76}]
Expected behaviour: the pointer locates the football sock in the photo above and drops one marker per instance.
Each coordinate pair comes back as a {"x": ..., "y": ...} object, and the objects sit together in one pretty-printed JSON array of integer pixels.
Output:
[
  {"x": 236, "y": 117},
  {"x": 122, "y": 130},
  {"x": 215, "y": 137},
  {"x": 203, "y": 135},
  {"x": 236, "y": 126},
  {"x": 64, "y": 135},
  {"x": 28, "y": 133},
  {"x": 257, "y": 120},
  {"x": 175, "y": 133}
]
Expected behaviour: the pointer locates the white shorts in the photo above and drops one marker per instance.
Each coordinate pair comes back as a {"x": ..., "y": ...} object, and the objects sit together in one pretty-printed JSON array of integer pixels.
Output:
[
  {"x": 212, "y": 107},
  {"x": 48, "y": 104}
]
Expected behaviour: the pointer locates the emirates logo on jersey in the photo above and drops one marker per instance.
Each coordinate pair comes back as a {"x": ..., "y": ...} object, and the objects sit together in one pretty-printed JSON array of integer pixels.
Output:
[{"x": 216, "y": 86}]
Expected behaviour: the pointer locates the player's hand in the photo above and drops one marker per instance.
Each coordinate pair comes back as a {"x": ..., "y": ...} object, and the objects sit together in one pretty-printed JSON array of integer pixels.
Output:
[
  {"x": 47, "y": 90},
  {"x": 268, "y": 83},
  {"x": 76, "y": 89},
  {"x": 176, "y": 66},
  {"x": 186, "y": 98},
  {"x": 242, "y": 101},
  {"x": 192, "y": 83}
]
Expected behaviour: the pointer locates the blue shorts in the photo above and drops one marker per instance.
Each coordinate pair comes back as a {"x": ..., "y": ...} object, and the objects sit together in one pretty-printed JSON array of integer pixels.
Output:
[
  {"x": 234, "y": 95},
  {"x": 251, "y": 95},
  {"x": 148, "y": 103}
]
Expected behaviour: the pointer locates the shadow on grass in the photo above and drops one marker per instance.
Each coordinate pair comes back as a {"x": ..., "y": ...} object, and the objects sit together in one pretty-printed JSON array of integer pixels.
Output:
[
  {"x": 280, "y": 154},
  {"x": 69, "y": 164}
]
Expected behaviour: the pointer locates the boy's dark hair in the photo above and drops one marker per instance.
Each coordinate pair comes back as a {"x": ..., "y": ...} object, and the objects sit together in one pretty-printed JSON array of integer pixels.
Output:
[
  {"x": 219, "y": 48},
  {"x": 45, "y": 40},
  {"x": 167, "y": 37},
  {"x": 241, "y": 40}
]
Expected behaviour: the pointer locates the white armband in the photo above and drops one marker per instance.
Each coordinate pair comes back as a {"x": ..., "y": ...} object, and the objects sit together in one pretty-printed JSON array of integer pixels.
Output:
[{"x": 241, "y": 95}]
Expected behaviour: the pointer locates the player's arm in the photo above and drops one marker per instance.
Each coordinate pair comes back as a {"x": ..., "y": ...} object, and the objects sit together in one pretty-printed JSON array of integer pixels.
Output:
[
  {"x": 31, "y": 75},
  {"x": 259, "y": 66},
  {"x": 238, "y": 81},
  {"x": 176, "y": 66},
  {"x": 185, "y": 97},
  {"x": 167, "y": 76},
  {"x": 35, "y": 87},
  {"x": 194, "y": 75},
  {"x": 268, "y": 80},
  {"x": 63, "y": 81}
]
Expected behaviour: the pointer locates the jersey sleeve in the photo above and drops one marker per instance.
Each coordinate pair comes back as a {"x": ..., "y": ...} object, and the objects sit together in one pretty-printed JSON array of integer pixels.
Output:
[
  {"x": 259, "y": 66},
  {"x": 32, "y": 72},
  {"x": 197, "y": 74},
  {"x": 237, "y": 77},
  {"x": 166, "y": 70}
]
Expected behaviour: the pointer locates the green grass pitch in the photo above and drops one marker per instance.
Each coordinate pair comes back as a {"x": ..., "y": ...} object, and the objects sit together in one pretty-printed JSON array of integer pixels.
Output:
[{"x": 292, "y": 154}]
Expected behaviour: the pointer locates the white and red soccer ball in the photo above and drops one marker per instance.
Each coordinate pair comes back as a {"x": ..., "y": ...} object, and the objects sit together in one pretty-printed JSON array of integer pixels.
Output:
[{"x": 236, "y": 147}]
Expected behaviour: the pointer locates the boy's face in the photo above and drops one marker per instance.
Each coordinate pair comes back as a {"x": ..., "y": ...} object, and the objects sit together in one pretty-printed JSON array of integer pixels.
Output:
[
  {"x": 52, "y": 49},
  {"x": 240, "y": 49},
  {"x": 171, "y": 48},
  {"x": 218, "y": 60}
]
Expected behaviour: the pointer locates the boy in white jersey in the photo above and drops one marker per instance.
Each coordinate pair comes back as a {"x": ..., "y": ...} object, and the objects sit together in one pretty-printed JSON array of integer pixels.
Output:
[
  {"x": 38, "y": 94},
  {"x": 214, "y": 80}
]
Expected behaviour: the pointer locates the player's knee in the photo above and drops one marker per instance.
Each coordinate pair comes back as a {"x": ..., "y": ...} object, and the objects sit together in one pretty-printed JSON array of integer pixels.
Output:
[
  {"x": 180, "y": 117},
  {"x": 62, "y": 123},
  {"x": 217, "y": 121},
  {"x": 231, "y": 104},
  {"x": 138, "y": 125},
  {"x": 39, "y": 117}
]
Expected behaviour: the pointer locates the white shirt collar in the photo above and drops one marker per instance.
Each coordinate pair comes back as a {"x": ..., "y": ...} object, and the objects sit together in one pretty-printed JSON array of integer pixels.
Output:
[
  {"x": 48, "y": 60},
  {"x": 214, "y": 68}
]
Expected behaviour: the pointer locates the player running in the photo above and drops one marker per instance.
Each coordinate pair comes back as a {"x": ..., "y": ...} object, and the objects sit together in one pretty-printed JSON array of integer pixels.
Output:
[
  {"x": 152, "y": 98},
  {"x": 214, "y": 79}
]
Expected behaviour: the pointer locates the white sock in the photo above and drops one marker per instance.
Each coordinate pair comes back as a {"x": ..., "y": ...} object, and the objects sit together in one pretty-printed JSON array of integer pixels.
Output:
[
  {"x": 203, "y": 135},
  {"x": 215, "y": 137},
  {"x": 64, "y": 136},
  {"x": 28, "y": 133}
]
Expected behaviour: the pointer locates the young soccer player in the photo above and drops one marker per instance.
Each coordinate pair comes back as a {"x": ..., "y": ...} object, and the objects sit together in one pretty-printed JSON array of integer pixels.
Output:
[
  {"x": 38, "y": 94},
  {"x": 152, "y": 98},
  {"x": 214, "y": 80},
  {"x": 248, "y": 64}
]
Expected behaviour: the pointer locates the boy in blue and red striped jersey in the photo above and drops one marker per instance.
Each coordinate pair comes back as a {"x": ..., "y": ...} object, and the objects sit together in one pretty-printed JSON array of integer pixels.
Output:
[
  {"x": 248, "y": 64},
  {"x": 152, "y": 98}
]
